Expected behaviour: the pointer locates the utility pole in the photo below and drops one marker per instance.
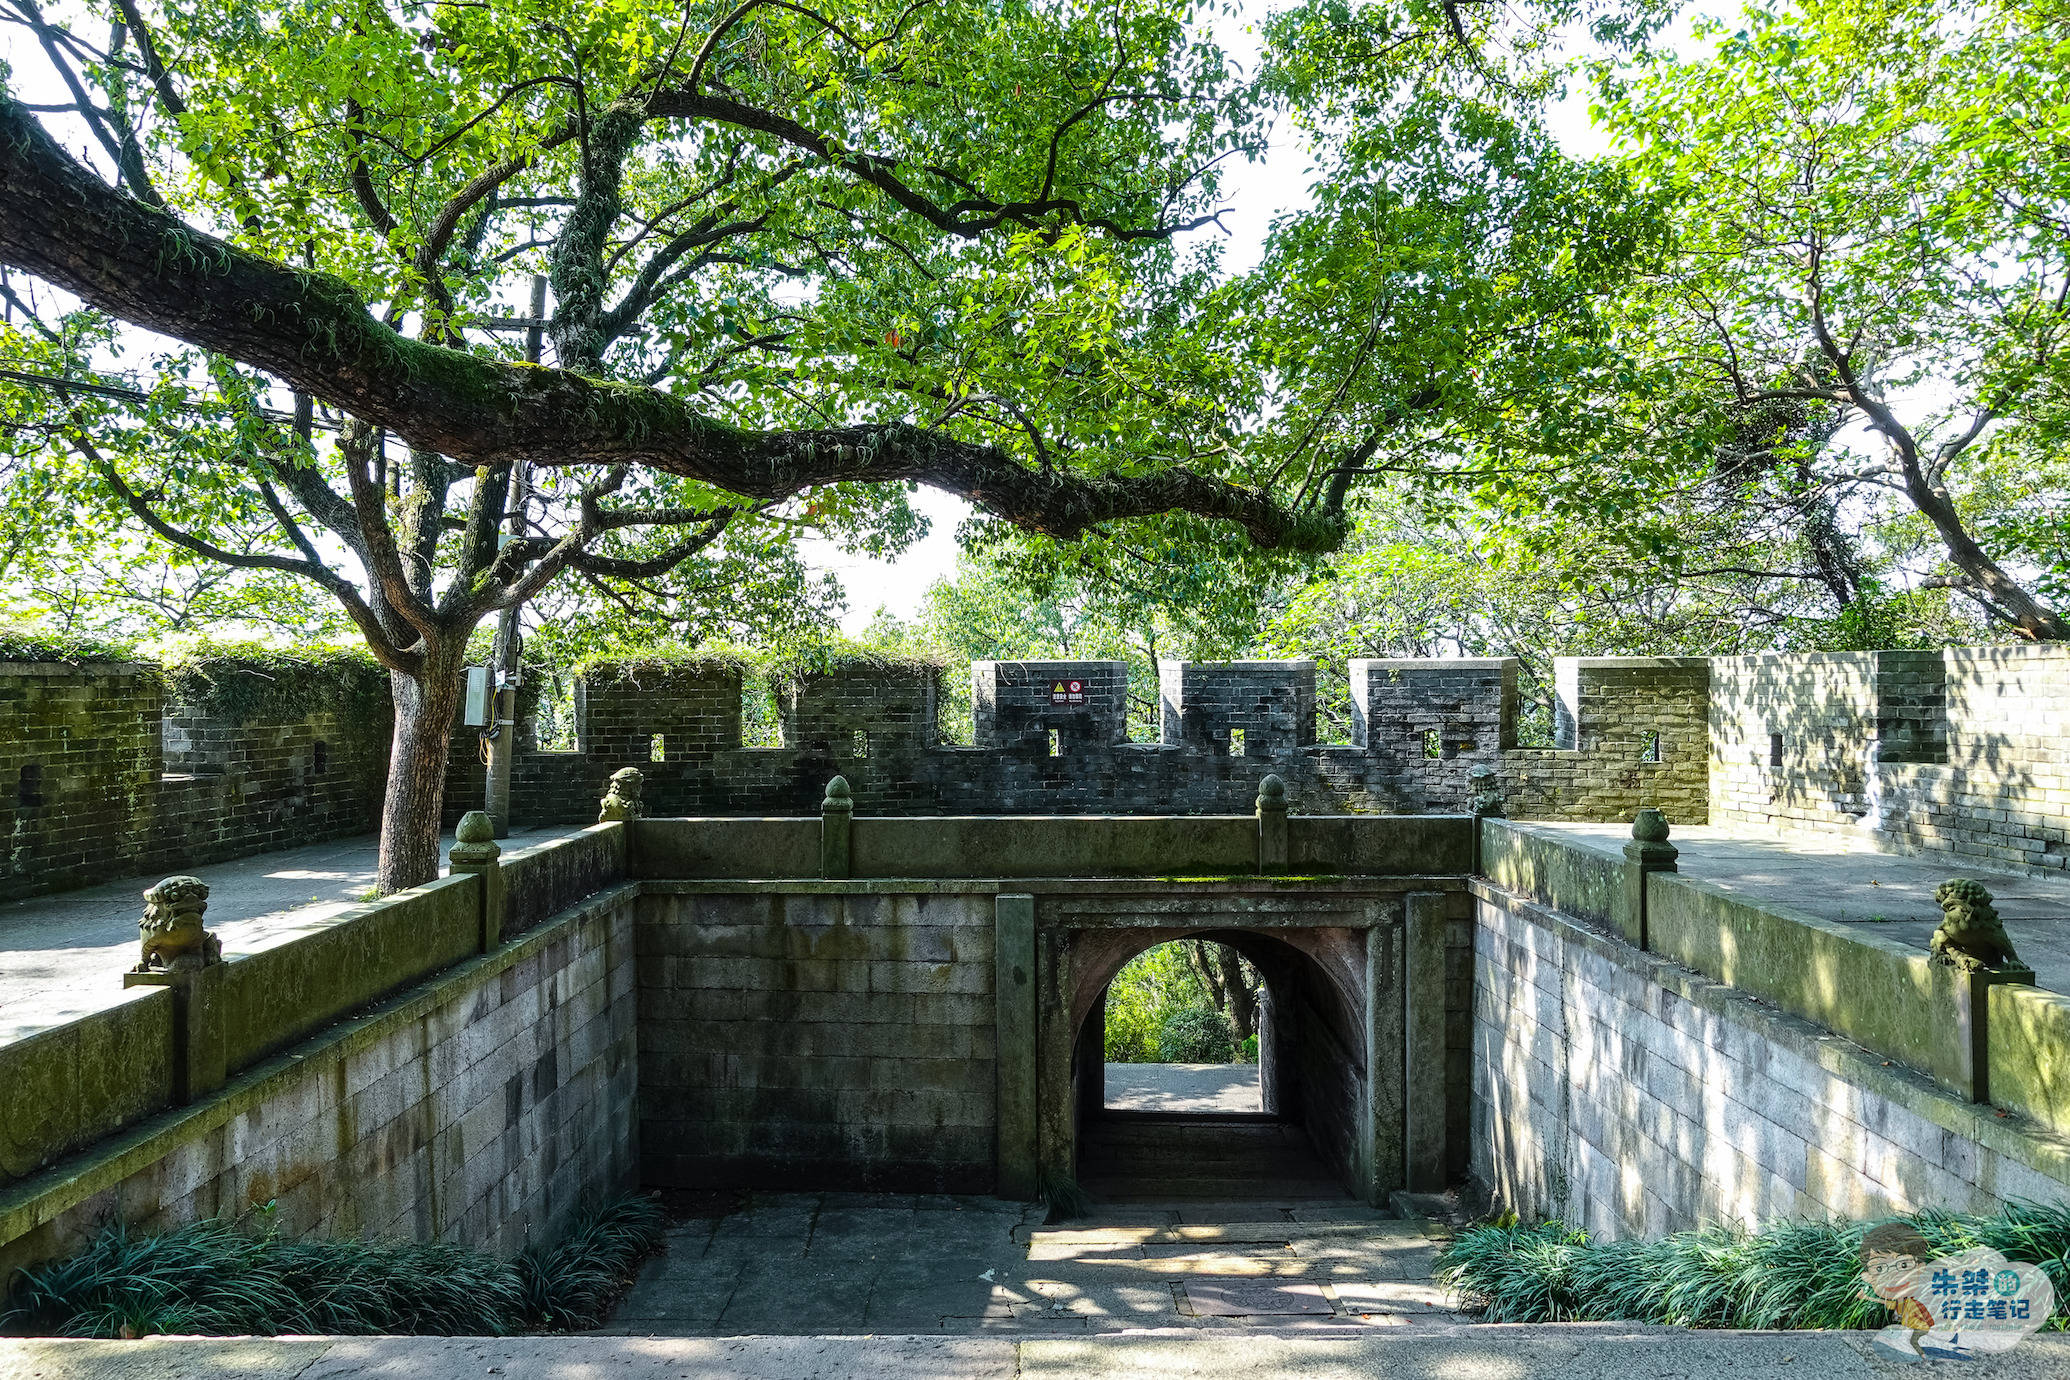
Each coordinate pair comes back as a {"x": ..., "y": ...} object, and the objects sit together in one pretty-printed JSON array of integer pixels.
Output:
[{"x": 501, "y": 737}]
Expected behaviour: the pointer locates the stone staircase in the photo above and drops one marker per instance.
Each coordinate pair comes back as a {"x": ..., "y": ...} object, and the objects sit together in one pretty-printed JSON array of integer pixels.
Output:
[{"x": 1128, "y": 1157}]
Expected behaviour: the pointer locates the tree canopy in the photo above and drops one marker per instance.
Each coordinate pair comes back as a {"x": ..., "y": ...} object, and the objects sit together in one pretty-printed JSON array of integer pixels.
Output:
[{"x": 401, "y": 315}]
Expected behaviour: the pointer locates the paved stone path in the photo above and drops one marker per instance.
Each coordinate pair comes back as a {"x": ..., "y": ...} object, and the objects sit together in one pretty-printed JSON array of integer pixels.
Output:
[
  {"x": 1577, "y": 1351},
  {"x": 62, "y": 956},
  {"x": 1882, "y": 893},
  {"x": 816, "y": 1263},
  {"x": 1184, "y": 1088},
  {"x": 888, "y": 1287}
]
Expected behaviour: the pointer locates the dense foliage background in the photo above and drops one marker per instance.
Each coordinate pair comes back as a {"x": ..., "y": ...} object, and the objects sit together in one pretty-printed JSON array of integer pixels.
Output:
[{"x": 1773, "y": 359}]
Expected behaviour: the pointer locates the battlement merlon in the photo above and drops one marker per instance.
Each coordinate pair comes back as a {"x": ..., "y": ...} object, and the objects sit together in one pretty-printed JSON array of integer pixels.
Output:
[
  {"x": 1469, "y": 703},
  {"x": 878, "y": 707},
  {"x": 1204, "y": 704},
  {"x": 1621, "y": 704},
  {"x": 1018, "y": 704}
]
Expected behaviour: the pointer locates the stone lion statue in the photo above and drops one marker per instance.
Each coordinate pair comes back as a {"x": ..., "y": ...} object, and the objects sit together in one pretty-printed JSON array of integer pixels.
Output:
[
  {"x": 171, "y": 928},
  {"x": 1970, "y": 935},
  {"x": 1486, "y": 801},
  {"x": 622, "y": 801}
]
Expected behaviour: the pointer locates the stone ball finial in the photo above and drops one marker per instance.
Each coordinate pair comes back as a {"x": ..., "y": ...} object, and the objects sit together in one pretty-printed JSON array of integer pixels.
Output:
[
  {"x": 171, "y": 932},
  {"x": 474, "y": 841},
  {"x": 839, "y": 797},
  {"x": 1272, "y": 792},
  {"x": 622, "y": 800},
  {"x": 1650, "y": 826}
]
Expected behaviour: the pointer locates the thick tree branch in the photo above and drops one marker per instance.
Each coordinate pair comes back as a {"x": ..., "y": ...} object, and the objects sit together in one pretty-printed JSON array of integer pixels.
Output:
[
  {"x": 363, "y": 616},
  {"x": 62, "y": 223}
]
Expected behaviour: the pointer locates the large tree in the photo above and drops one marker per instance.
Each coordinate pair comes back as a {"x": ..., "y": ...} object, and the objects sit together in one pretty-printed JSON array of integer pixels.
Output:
[
  {"x": 798, "y": 261},
  {"x": 1869, "y": 209},
  {"x": 791, "y": 254}
]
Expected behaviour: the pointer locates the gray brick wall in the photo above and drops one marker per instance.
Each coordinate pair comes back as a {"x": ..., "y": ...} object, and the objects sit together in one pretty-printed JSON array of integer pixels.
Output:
[
  {"x": 1634, "y": 732},
  {"x": 801, "y": 1037},
  {"x": 1237, "y": 708},
  {"x": 1634, "y": 1098},
  {"x": 1962, "y": 752},
  {"x": 1426, "y": 724},
  {"x": 100, "y": 777}
]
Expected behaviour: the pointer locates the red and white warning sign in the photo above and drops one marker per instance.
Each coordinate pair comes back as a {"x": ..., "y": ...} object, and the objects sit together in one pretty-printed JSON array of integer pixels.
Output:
[{"x": 1067, "y": 692}]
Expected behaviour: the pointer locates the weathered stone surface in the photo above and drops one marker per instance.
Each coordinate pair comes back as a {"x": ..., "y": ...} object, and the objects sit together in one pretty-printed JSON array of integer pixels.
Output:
[
  {"x": 1959, "y": 751},
  {"x": 1631, "y": 1096},
  {"x": 483, "y": 1107}
]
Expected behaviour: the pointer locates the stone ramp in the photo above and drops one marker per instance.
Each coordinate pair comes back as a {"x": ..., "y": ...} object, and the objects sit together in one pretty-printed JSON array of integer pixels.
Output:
[
  {"x": 1156, "y": 1156},
  {"x": 1570, "y": 1352}
]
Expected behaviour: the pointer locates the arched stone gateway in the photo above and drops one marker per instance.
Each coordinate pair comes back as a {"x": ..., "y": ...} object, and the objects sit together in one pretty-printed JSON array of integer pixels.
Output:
[{"x": 1354, "y": 1054}]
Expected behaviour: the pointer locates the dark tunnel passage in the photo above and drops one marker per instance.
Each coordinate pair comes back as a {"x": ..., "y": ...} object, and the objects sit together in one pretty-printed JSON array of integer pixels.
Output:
[{"x": 1298, "y": 1139}]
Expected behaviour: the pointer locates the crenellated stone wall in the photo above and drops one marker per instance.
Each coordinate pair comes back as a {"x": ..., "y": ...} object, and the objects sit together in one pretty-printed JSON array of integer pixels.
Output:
[
  {"x": 110, "y": 769},
  {"x": 1051, "y": 737},
  {"x": 1964, "y": 750}
]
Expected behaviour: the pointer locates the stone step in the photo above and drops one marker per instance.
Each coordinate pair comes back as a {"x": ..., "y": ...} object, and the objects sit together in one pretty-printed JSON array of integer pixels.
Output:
[
  {"x": 1556, "y": 1351},
  {"x": 1128, "y": 1157}
]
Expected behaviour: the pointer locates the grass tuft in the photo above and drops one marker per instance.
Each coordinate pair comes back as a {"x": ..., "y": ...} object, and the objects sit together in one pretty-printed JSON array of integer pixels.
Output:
[
  {"x": 571, "y": 1285},
  {"x": 1063, "y": 1197},
  {"x": 1792, "y": 1274},
  {"x": 210, "y": 1279}
]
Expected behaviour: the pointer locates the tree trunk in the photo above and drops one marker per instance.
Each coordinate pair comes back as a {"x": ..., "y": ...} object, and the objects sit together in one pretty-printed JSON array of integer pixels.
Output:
[
  {"x": 2030, "y": 618},
  {"x": 1243, "y": 1003},
  {"x": 425, "y": 707}
]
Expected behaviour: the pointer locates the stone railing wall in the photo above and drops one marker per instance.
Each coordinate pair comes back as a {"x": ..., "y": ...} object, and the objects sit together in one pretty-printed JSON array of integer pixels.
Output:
[
  {"x": 1630, "y": 1096},
  {"x": 407, "y": 1069},
  {"x": 1652, "y": 1052}
]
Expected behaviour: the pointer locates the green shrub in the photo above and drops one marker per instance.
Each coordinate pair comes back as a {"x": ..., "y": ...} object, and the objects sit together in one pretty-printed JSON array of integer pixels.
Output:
[
  {"x": 244, "y": 681},
  {"x": 1793, "y": 1274},
  {"x": 573, "y": 1283},
  {"x": 1147, "y": 990},
  {"x": 1248, "y": 1051},
  {"x": 209, "y": 1278},
  {"x": 1195, "y": 1035},
  {"x": 28, "y": 644}
]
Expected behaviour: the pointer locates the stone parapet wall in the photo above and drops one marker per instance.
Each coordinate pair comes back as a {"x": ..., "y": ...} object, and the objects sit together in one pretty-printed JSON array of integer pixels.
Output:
[
  {"x": 80, "y": 772},
  {"x": 1964, "y": 751},
  {"x": 1631, "y": 733},
  {"x": 105, "y": 771},
  {"x": 483, "y": 1108},
  {"x": 1632, "y": 1097}
]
